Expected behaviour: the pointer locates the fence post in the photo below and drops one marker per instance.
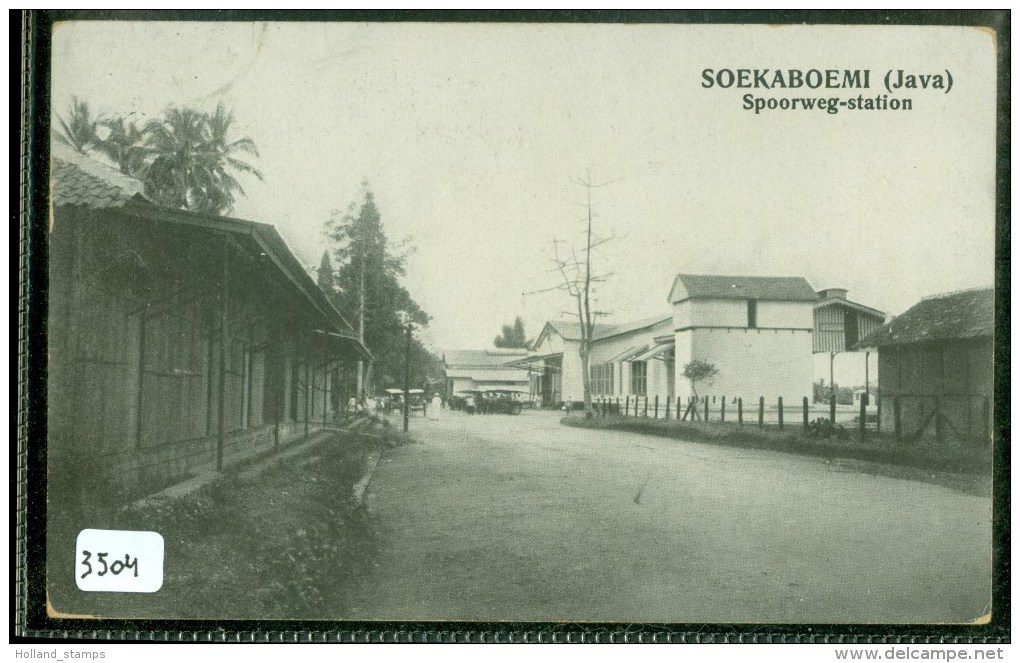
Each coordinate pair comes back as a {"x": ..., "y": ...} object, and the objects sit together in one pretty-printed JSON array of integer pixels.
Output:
[
  {"x": 678, "y": 408},
  {"x": 761, "y": 412},
  {"x": 864, "y": 410},
  {"x": 617, "y": 413},
  {"x": 706, "y": 409},
  {"x": 644, "y": 412},
  {"x": 722, "y": 410},
  {"x": 780, "y": 413},
  {"x": 897, "y": 420},
  {"x": 878, "y": 413},
  {"x": 626, "y": 406},
  {"x": 832, "y": 409},
  {"x": 986, "y": 414},
  {"x": 938, "y": 420},
  {"x": 740, "y": 411},
  {"x": 806, "y": 415},
  {"x": 667, "y": 408},
  {"x": 656, "y": 406}
]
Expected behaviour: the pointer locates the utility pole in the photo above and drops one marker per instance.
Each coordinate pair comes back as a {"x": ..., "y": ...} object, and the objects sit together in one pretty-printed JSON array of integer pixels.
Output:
[
  {"x": 407, "y": 379},
  {"x": 361, "y": 311},
  {"x": 832, "y": 372},
  {"x": 867, "y": 378}
]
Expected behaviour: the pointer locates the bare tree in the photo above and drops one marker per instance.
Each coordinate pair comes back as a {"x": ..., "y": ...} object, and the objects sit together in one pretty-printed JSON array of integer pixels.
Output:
[{"x": 576, "y": 279}]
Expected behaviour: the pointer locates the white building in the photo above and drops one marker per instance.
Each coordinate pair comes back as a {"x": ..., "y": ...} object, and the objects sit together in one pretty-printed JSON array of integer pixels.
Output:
[
  {"x": 762, "y": 334},
  {"x": 626, "y": 360},
  {"x": 756, "y": 331}
]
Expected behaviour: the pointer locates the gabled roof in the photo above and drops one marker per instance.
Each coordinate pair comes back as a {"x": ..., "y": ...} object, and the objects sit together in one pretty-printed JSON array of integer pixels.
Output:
[
  {"x": 867, "y": 310},
  {"x": 837, "y": 297},
  {"x": 77, "y": 179},
  {"x": 709, "y": 286},
  {"x": 954, "y": 315}
]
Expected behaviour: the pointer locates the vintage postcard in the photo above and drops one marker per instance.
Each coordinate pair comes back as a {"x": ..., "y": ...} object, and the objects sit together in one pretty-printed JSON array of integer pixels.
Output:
[{"x": 357, "y": 321}]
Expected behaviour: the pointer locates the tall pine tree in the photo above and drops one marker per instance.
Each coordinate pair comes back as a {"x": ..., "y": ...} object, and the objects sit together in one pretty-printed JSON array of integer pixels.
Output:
[
  {"x": 513, "y": 336},
  {"x": 367, "y": 281}
]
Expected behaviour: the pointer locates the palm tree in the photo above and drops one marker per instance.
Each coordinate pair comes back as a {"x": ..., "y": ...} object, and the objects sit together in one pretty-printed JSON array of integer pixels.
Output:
[
  {"x": 192, "y": 160},
  {"x": 78, "y": 130},
  {"x": 121, "y": 141}
]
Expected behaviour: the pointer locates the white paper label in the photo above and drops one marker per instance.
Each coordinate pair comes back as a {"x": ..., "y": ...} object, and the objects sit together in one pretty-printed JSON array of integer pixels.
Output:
[{"x": 109, "y": 560}]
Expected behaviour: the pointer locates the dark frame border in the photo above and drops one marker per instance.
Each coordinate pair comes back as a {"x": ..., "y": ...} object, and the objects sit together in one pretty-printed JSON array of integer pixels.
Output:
[{"x": 29, "y": 620}]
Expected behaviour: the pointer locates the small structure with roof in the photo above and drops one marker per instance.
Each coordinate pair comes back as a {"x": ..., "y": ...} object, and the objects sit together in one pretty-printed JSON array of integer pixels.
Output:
[
  {"x": 935, "y": 367},
  {"x": 839, "y": 325},
  {"x": 480, "y": 370}
]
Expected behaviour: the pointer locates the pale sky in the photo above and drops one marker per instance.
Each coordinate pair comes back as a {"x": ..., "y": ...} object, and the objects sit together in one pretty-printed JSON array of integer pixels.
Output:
[{"x": 470, "y": 135}]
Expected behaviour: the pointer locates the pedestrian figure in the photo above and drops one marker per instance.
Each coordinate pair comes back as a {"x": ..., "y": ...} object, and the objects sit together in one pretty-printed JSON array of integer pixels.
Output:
[{"x": 437, "y": 404}]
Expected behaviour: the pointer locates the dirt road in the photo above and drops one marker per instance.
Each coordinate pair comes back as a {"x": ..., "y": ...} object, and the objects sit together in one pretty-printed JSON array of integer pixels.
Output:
[{"x": 519, "y": 518}]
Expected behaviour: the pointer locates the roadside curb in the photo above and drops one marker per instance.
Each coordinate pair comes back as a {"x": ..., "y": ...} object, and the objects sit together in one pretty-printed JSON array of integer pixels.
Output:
[
  {"x": 247, "y": 471},
  {"x": 361, "y": 487}
]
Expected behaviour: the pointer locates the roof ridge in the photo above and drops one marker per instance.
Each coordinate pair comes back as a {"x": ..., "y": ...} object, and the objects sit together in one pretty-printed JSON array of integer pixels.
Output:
[{"x": 950, "y": 293}]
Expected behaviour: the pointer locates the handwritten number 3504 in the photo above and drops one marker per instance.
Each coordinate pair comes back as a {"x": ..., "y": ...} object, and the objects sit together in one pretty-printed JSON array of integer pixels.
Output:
[{"x": 115, "y": 568}]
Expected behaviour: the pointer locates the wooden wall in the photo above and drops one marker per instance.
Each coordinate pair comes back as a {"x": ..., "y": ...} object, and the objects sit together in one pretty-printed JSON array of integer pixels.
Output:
[
  {"x": 137, "y": 318},
  {"x": 953, "y": 377}
]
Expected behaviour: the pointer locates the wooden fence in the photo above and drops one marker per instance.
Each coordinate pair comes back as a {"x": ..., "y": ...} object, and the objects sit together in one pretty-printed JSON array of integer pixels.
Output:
[{"x": 759, "y": 412}]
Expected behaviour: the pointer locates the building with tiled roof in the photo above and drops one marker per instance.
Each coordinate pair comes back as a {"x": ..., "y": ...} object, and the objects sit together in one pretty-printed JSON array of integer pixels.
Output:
[
  {"x": 178, "y": 342},
  {"x": 79, "y": 180}
]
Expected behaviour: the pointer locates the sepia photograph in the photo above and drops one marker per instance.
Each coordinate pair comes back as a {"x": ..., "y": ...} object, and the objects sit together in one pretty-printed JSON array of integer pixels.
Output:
[{"x": 574, "y": 322}]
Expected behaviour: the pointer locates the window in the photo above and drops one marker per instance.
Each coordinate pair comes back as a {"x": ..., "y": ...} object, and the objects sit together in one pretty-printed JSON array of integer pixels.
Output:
[
  {"x": 850, "y": 329},
  {"x": 639, "y": 378},
  {"x": 752, "y": 313},
  {"x": 602, "y": 379}
]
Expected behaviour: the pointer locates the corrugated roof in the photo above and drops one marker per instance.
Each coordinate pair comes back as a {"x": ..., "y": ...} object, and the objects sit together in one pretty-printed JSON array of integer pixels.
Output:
[
  {"x": 77, "y": 179},
  {"x": 709, "y": 286},
  {"x": 489, "y": 374},
  {"x": 571, "y": 331},
  {"x": 628, "y": 327},
  {"x": 832, "y": 301},
  {"x": 955, "y": 315},
  {"x": 483, "y": 358},
  {"x": 628, "y": 354}
]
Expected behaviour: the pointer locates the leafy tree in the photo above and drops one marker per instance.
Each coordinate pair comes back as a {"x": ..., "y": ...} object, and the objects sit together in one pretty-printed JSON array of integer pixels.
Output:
[
  {"x": 368, "y": 275},
  {"x": 513, "y": 336},
  {"x": 698, "y": 371}
]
